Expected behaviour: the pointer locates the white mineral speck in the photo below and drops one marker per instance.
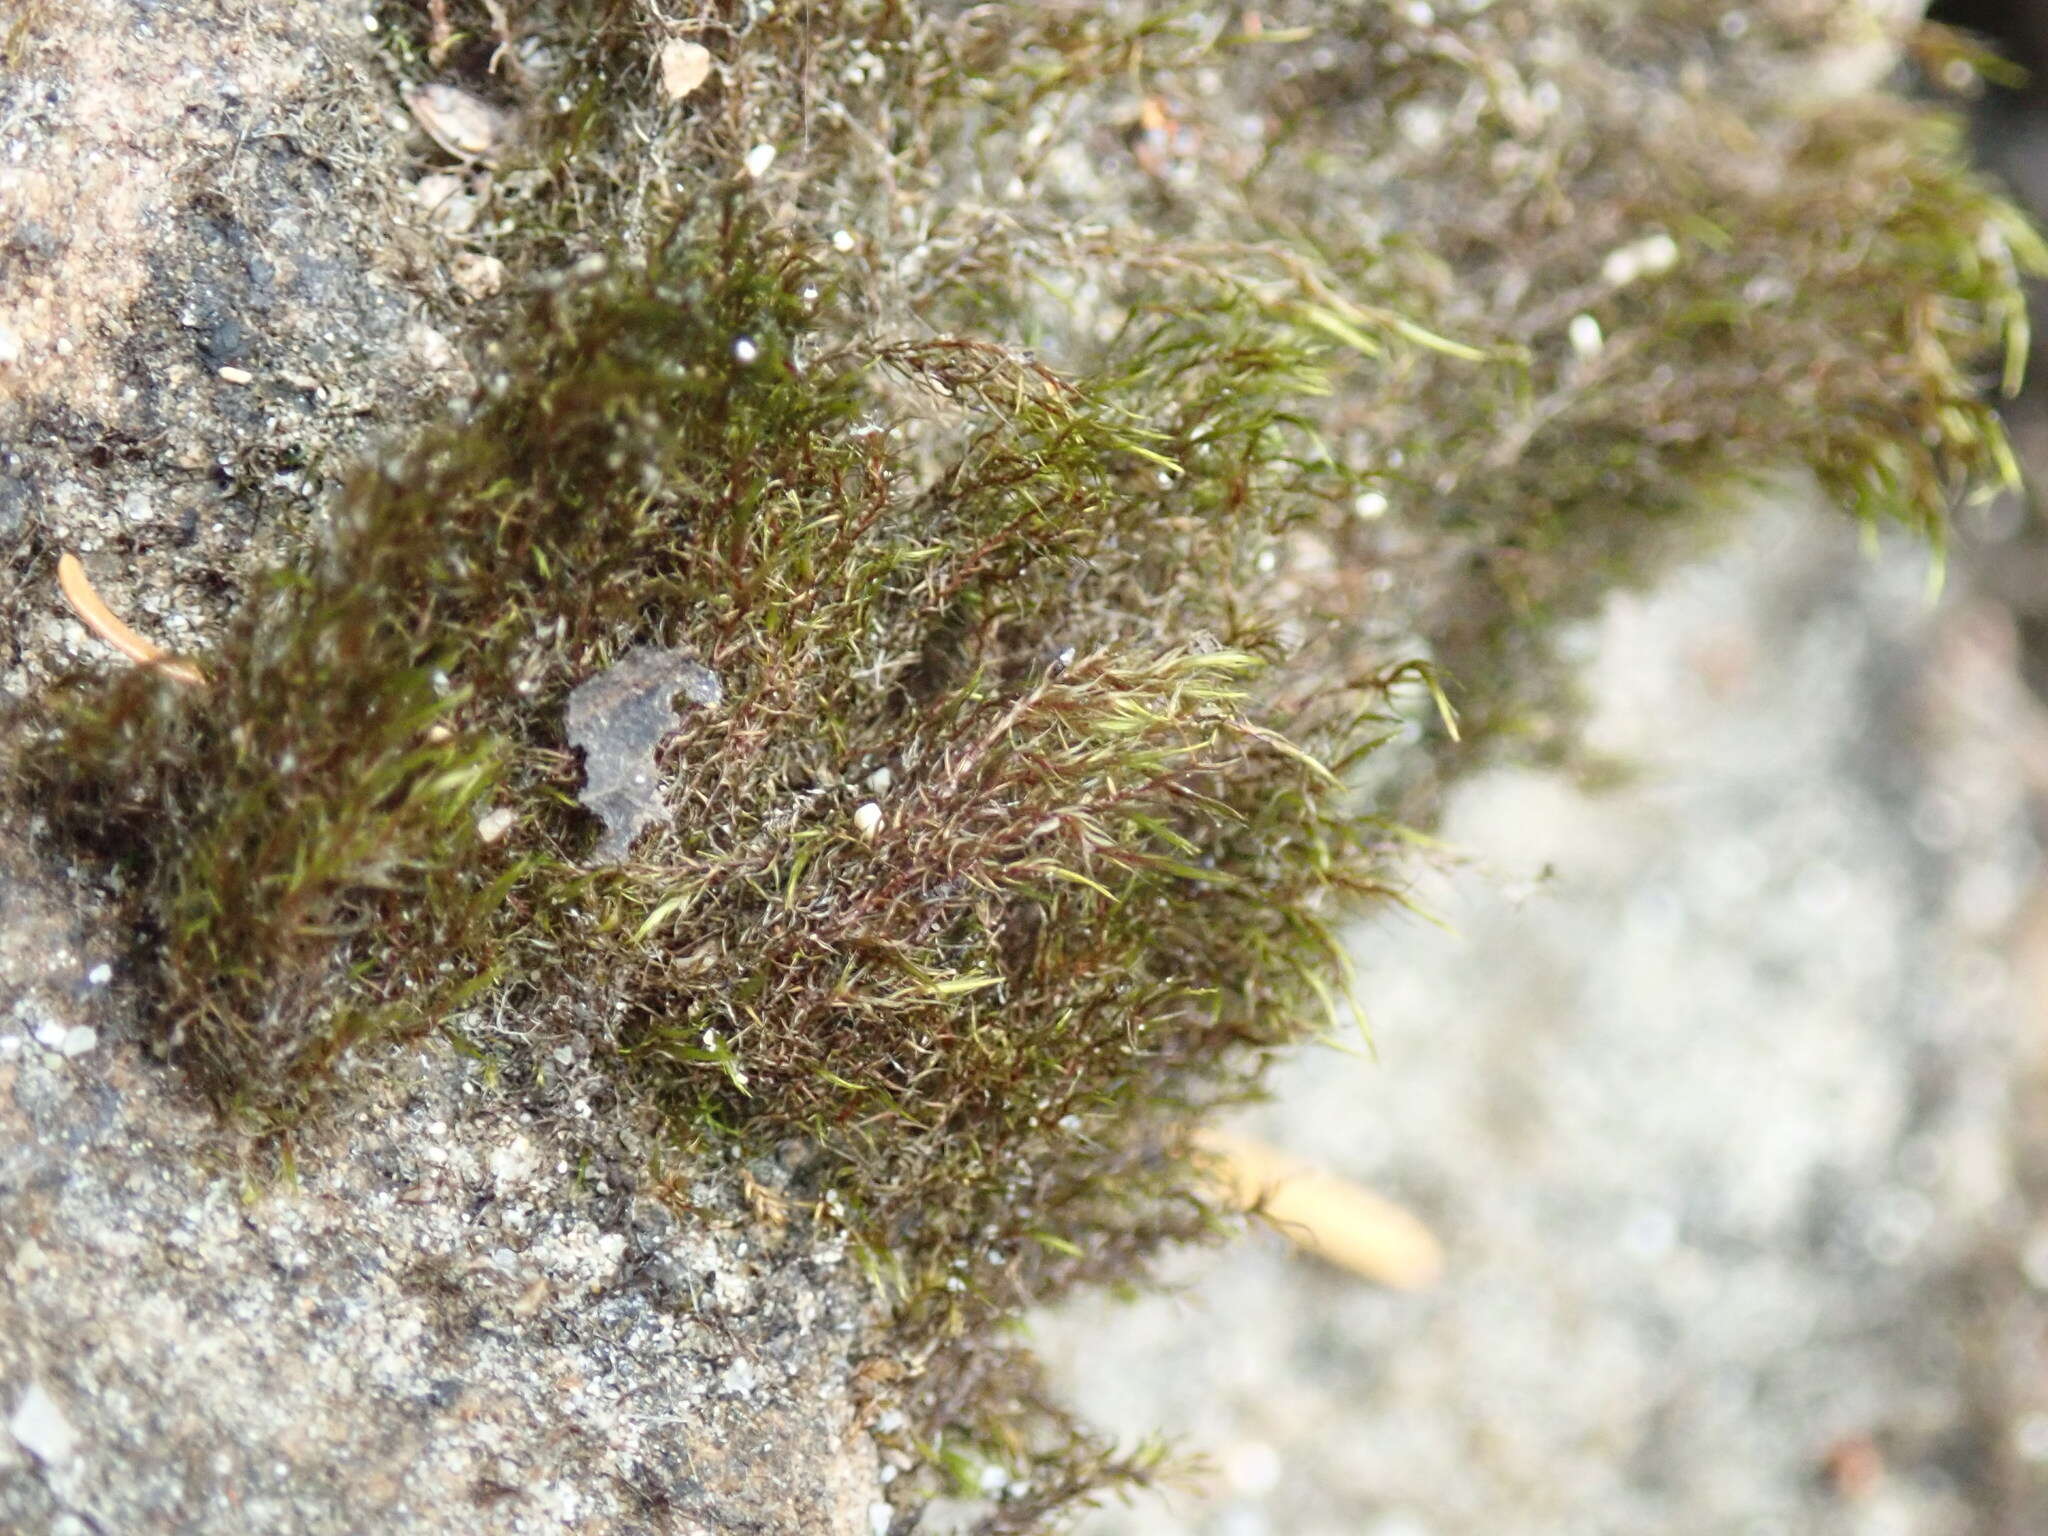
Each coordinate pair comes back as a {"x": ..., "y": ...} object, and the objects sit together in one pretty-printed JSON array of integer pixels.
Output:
[
  {"x": 879, "y": 781},
  {"x": 495, "y": 825},
  {"x": 1585, "y": 336},
  {"x": 1422, "y": 124},
  {"x": 100, "y": 974},
  {"x": 745, "y": 350},
  {"x": 2030, "y": 1438},
  {"x": 880, "y": 1516},
  {"x": 843, "y": 241},
  {"x": 40, "y": 1428},
  {"x": 1659, "y": 254},
  {"x": 867, "y": 820},
  {"x": 759, "y": 158},
  {"x": 77, "y": 1040},
  {"x": 1370, "y": 504},
  {"x": 2033, "y": 1258},
  {"x": 50, "y": 1034},
  {"x": 514, "y": 1163},
  {"x": 1652, "y": 256}
]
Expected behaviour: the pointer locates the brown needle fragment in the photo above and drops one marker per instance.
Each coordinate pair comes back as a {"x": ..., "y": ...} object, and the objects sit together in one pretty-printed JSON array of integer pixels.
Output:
[
  {"x": 96, "y": 616},
  {"x": 1322, "y": 1214}
]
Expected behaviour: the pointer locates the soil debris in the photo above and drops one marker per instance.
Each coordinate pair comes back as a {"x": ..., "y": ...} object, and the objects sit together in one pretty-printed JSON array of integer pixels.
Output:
[{"x": 618, "y": 718}]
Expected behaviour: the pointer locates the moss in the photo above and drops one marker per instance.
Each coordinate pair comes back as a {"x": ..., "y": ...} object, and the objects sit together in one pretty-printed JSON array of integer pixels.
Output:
[
  {"x": 1102, "y": 553},
  {"x": 1104, "y": 869}
]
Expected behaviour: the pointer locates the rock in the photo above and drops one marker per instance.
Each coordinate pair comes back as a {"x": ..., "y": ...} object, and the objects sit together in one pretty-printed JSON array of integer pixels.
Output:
[
  {"x": 467, "y": 126},
  {"x": 40, "y": 1428},
  {"x": 392, "y": 1339},
  {"x": 445, "y": 198},
  {"x": 684, "y": 67},
  {"x": 163, "y": 1289}
]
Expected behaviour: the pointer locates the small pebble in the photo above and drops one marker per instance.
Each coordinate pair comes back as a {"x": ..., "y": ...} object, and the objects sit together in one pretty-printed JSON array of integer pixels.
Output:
[
  {"x": 477, "y": 275},
  {"x": 879, "y": 781},
  {"x": 50, "y": 1034},
  {"x": 234, "y": 375},
  {"x": 759, "y": 158},
  {"x": 867, "y": 820},
  {"x": 100, "y": 974},
  {"x": 431, "y": 347},
  {"x": 745, "y": 351},
  {"x": 467, "y": 126},
  {"x": 77, "y": 1040},
  {"x": 445, "y": 199},
  {"x": 2030, "y": 1438},
  {"x": 684, "y": 67},
  {"x": 1585, "y": 336},
  {"x": 843, "y": 241},
  {"x": 1652, "y": 256},
  {"x": 495, "y": 825}
]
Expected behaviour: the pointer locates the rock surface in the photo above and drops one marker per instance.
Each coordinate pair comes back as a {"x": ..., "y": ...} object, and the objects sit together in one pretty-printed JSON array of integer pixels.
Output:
[
  {"x": 1720, "y": 1089},
  {"x": 212, "y": 295},
  {"x": 448, "y": 1320}
]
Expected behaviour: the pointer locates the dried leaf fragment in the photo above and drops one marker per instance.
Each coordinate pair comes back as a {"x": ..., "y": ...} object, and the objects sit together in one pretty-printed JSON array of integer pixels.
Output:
[
  {"x": 618, "y": 718},
  {"x": 684, "y": 67}
]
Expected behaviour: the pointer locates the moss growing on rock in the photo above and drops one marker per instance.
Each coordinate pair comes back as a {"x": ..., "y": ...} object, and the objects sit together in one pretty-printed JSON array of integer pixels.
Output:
[
  {"x": 1005, "y": 846},
  {"x": 1047, "y": 689}
]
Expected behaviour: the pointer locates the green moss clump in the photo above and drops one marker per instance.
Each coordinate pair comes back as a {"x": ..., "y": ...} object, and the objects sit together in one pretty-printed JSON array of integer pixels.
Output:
[
  {"x": 1107, "y": 855},
  {"x": 1108, "y": 640}
]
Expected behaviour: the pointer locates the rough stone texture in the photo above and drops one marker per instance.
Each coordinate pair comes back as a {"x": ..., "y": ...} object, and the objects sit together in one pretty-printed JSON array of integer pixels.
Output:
[
  {"x": 449, "y": 1320},
  {"x": 1709, "y": 1090},
  {"x": 187, "y": 188}
]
